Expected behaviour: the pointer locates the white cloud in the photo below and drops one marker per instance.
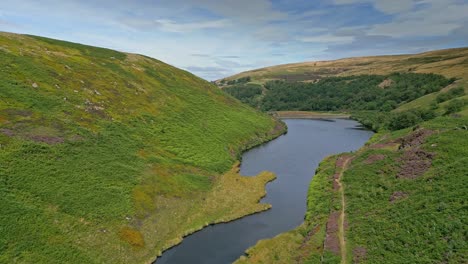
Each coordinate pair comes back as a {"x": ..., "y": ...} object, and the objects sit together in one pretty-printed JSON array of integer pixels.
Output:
[
  {"x": 432, "y": 19},
  {"x": 385, "y": 6},
  {"x": 174, "y": 26},
  {"x": 328, "y": 38}
]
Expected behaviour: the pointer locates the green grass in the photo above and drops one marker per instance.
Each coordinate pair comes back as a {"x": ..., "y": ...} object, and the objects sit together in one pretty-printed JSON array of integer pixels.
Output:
[
  {"x": 95, "y": 142},
  {"x": 426, "y": 227}
]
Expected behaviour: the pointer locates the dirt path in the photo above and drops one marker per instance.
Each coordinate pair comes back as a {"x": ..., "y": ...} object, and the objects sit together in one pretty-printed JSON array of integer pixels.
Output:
[{"x": 341, "y": 221}]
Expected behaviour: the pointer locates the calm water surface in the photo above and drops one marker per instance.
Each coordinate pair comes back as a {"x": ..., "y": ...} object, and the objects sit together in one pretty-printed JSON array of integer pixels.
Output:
[{"x": 293, "y": 158}]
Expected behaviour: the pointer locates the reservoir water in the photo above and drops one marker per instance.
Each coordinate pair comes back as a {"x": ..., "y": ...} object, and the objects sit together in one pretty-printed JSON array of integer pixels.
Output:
[{"x": 294, "y": 158}]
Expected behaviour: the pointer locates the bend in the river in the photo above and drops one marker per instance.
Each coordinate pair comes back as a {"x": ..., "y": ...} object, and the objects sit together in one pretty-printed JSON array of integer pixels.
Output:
[{"x": 294, "y": 158}]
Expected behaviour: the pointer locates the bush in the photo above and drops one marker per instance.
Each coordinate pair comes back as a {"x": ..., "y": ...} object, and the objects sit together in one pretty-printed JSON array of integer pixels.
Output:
[
  {"x": 456, "y": 92},
  {"x": 403, "y": 120},
  {"x": 454, "y": 106}
]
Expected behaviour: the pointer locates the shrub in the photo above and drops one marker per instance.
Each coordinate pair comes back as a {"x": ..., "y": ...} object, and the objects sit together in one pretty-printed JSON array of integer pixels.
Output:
[
  {"x": 403, "y": 120},
  {"x": 456, "y": 92},
  {"x": 454, "y": 106}
]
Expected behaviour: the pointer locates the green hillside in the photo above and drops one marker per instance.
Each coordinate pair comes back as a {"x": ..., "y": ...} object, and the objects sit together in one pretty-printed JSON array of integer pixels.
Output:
[
  {"x": 109, "y": 157},
  {"x": 399, "y": 199}
]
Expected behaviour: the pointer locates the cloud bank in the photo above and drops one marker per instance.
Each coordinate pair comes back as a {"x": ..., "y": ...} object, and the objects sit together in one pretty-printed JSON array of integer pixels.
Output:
[{"x": 217, "y": 38}]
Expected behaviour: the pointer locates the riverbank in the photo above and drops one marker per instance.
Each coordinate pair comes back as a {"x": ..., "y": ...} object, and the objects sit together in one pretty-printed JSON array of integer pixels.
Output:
[
  {"x": 291, "y": 159},
  {"x": 232, "y": 197},
  {"x": 403, "y": 170},
  {"x": 309, "y": 115}
]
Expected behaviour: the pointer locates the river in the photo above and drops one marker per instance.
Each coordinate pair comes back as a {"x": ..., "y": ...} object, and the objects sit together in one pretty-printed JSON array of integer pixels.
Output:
[{"x": 294, "y": 158}]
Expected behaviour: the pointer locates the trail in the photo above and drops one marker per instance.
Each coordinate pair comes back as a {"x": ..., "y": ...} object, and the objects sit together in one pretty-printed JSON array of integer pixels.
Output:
[{"x": 341, "y": 222}]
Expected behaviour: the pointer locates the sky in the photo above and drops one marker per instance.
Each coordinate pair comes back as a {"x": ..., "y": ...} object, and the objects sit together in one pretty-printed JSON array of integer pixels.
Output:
[{"x": 218, "y": 38}]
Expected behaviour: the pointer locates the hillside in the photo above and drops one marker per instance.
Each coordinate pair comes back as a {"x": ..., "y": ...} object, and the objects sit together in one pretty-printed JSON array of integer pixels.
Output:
[
  {"x": 400, "y": 198},
  {"x": 450, "y": 63},
  {"x": 109, "y": 157}
]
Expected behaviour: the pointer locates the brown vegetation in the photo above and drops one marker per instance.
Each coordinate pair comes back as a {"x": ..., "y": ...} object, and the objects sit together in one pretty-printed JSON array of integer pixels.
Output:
[
  {"x": 332, "y": 242},
  {"x": 373, "y": 158}
]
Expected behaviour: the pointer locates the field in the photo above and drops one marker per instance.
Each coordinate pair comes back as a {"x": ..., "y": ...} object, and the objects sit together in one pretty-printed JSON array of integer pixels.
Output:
[{"x": 108, "y": 157}]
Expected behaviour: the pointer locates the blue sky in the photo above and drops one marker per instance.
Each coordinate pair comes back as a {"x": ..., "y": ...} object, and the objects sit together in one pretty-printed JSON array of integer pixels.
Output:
[{"x": 218, "y": 38}]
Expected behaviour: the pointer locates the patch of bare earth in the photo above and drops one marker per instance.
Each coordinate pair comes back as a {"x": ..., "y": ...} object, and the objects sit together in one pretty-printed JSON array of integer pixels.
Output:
[
  {"x": 332, "y": 242},
  {"x": 397, "y": 196},
  {"x": 8, "y": 132},
  {"x": 386, "y": 83},
  {"x": 415, "y": 161},
  {"x": 415, "y": 139},
  {"x": 374, "y": 158},
  {"x": 47, "y": 139},
  {"x": 359, "y": 254}
]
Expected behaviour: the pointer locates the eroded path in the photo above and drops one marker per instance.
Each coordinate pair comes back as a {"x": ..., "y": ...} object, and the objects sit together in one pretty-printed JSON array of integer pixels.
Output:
[
  {"x": 335, "y": 240},
  {"x": 341, "y": 222}
]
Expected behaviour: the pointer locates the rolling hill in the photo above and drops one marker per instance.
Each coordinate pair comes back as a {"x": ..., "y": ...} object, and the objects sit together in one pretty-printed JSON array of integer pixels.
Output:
[
  {"x": 110, "y": 157},
  {"x": 449, "y": 62}
]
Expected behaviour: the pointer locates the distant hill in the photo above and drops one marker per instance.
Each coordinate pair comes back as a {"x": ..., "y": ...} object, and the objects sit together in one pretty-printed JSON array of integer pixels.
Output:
[
  {"x": 110, "y": 157},
  {"x": 449, "y": 62}
]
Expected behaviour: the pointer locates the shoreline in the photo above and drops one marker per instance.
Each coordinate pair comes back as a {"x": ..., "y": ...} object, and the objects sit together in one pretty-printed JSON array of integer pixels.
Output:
[
  {"x": 309, "y": 115},
  {"x": 273, "y": 134}
]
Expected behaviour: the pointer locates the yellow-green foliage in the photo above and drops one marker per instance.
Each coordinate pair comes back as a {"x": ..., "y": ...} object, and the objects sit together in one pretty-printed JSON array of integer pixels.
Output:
[
  {"x": 92, "y": 139},
  {"x": 132, "y": 236}
]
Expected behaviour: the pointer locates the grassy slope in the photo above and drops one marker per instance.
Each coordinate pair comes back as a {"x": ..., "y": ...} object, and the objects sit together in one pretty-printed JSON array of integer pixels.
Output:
[
  {"x": 450, "y": 63},
  {"x": 428, "y": 224},
  {"x": 112, "y": 157}
]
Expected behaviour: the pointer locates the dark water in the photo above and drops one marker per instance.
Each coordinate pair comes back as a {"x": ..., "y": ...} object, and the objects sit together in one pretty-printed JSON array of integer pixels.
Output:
[{"x": 293, "y": 158}]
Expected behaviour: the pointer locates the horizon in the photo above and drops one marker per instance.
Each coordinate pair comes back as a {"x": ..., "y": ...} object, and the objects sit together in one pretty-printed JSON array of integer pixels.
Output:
[{"x": 265, "y": 34}]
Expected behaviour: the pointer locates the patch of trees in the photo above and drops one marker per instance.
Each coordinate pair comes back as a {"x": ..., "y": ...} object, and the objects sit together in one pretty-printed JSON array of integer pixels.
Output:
[
  {"x": 393, "y": 121},
  {"x": 242, "y": 80},
  {"x": 246, "y": 93},
  {"x": 351, "y": 93}
]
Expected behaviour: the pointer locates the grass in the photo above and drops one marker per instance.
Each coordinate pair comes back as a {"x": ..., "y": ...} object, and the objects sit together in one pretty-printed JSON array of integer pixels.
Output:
[
  {"x": 112, "y": 157},
  {"x": 431, "y": 219}
]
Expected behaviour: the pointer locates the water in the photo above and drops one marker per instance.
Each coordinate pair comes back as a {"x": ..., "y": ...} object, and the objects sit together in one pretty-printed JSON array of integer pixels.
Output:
[{"x": 294, "y": 158}]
